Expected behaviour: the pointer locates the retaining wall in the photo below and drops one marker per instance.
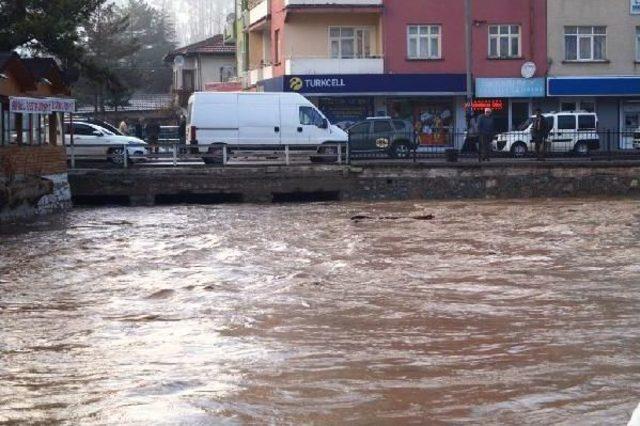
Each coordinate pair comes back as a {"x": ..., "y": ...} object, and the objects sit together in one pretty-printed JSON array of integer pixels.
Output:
[
  {"x": 373, "y": 182},
  {"x": 33, "y": 181}
]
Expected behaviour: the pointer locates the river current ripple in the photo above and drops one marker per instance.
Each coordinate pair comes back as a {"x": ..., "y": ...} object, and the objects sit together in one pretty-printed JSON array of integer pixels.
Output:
[{"x": 523, "y": 312}]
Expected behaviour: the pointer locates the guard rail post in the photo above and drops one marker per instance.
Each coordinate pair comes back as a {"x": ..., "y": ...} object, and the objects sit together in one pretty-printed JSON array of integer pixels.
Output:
[
  {"x": 224, "y": 155},
  {"x": 175, "y": 154},
  {"x": 286, "y": 155},
  {"x": 339, "y": 153},
  {"x": 125, "y": 159}
]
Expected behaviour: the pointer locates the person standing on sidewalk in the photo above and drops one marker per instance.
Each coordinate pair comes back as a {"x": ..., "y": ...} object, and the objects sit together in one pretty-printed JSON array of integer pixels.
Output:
[
  {"x": 539, "y": 133},
  {"x": 486, "y": 130}
]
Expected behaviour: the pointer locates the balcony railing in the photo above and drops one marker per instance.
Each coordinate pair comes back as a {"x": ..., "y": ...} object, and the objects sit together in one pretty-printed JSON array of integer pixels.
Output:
[
  {"x": 259, "y": 12},
  {"x": 311, "y": 66}
]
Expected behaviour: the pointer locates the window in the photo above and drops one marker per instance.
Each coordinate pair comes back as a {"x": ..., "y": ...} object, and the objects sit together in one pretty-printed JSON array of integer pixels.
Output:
[
  {"x": 79, "y": 129},
  {"x": 504, "y": 41},
  {"x": 382, "y": 127},
  {"x": 585, "y": 43},
  {"x": 637, "y": 44},
  {"x": 348, "y": 43},
  {"x": 400, "y": 125},
  {"x": 549, "y": 121},
  {"x": 586, "y": 122},
  {"x": 424, "y": 42},
  {"x": 566, "y": 122},
  {"x": 309, "y": 116},
  {"x": 188, "y": 80},
  {"x": 360, "y": 129}
]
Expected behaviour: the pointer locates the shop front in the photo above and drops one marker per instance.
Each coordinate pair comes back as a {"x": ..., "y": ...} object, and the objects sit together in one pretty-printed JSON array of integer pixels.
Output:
[
  {"x": 511, "y": 99},
  {"x": 615, "y": 99},
  {"x": 432, "y": 105}
]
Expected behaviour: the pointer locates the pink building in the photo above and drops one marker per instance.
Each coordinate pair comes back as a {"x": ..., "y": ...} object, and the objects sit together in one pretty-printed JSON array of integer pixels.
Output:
[
  {"x": 404, "y": 58},
  {"x": 428, "y": 37}
]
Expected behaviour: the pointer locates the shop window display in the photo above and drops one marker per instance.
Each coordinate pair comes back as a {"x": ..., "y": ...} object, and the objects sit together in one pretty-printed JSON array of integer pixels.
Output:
[{"x": 432, "y": 120}]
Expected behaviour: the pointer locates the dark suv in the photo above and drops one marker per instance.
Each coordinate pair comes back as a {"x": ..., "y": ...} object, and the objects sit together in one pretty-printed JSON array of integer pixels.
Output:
[{"x": 382, "y": 135}]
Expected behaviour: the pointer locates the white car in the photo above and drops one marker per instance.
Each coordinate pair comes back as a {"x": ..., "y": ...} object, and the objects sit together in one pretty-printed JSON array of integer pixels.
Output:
[
  {"x": 570, "y": 131},
  {"x": 92, "y": 142}
]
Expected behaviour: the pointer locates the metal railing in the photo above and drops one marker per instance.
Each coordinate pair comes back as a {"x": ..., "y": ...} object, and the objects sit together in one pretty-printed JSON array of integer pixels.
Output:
[
  {"x": 173, "y": 153},
  {"x": 454, "y": 146}
]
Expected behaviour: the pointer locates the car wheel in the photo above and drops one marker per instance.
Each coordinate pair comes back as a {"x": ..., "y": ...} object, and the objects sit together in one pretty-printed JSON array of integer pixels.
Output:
[
  {"x": 519, "y": 149},
  {"x": 581, "y": 148},
  {"x": 116, "y": 156},
  {"x": 401, "y": 150}
]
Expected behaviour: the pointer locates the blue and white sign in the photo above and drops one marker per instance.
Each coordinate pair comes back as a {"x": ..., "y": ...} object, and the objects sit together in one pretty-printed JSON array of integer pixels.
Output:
[
  {"x": 369, "y": 84},
  {"x": 593, "y": 86},
  {"x": 510, "y": 87},
  {"x": 635, "y": 7}
]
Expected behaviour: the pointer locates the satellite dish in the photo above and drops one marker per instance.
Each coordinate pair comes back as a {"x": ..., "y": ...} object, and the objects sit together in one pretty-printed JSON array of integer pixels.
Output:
[
  {"x": 178, "y": 61},
  {"x": 528, "y": 70}
]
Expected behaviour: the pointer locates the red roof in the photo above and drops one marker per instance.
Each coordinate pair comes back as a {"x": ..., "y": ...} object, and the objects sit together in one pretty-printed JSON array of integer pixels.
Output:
[{"x": 212, "y": 46}]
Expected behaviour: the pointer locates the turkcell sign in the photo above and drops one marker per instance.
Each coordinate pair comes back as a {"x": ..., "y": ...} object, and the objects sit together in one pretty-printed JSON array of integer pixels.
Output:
[
  {"x": 510, "y": 87},
  {"x": 348, "y": 84}
]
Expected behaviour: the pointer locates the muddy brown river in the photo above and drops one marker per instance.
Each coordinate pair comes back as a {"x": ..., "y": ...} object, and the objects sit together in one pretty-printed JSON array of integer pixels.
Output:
[{"x": 523, "y": 312}]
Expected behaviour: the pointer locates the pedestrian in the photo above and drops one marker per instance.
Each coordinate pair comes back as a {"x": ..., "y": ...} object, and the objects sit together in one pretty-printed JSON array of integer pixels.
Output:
[
  {"x": 153, "y": 133},
  {"x": 123, "y": 128},
  {"x": 471, "y": 141},
  {"x": 486, "y": 130},
  {"x": 539, "y": 133}
]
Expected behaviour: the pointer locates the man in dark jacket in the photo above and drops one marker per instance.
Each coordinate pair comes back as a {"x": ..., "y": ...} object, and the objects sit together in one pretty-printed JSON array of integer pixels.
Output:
[
  {"x": 539, "y": 133},
  {"x": 486, "y": 130}
]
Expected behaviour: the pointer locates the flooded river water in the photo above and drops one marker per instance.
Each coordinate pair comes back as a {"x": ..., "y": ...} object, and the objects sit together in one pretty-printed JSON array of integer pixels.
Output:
[{"x": 492, "y": 312}]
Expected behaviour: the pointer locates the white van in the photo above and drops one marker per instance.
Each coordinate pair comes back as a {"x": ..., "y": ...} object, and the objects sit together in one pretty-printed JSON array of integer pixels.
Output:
[
  {"x": 571, "y": 131},
  {"x": 215, "y": 119}
]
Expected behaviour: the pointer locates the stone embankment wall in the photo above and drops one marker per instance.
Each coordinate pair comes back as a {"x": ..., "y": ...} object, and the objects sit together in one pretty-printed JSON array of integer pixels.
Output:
[
  {"x": 33, "y": 181},
  {"x": 373, "y": 182}
]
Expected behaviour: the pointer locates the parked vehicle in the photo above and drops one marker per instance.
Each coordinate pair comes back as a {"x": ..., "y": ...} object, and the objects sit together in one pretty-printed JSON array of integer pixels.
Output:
[
  {"x": 101, "y": 123},
  {"x": 258, "y": 119},
  {"x": 570, "y": 131},
  {"x": 382, "y": 135},
  {"x": 636, "y": 139},
  {"x": 95, "y": 142}
]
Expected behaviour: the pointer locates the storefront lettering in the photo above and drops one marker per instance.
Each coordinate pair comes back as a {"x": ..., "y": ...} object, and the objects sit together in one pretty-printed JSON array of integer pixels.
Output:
[
  {"x": 318, "y": 83},
  {"x": 41, "y": 106}
]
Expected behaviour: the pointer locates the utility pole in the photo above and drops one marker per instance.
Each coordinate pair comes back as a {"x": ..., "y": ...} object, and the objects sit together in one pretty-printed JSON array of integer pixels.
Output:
[{"x": 469, "y": 52}]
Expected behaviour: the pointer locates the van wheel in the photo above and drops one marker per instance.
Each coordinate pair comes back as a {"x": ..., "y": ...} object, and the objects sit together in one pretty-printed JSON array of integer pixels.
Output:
[
  {"x": 215, "y": 155},
  {"x": 519, "y": 149},
  {"x": 581, "y": 148},
  {"x": 401, "y": 150}
]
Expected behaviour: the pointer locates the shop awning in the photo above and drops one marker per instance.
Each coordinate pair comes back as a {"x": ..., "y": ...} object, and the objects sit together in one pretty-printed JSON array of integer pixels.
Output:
[
  {"x": 593, "y": 86},
  {"x": 369, "y": 84}
]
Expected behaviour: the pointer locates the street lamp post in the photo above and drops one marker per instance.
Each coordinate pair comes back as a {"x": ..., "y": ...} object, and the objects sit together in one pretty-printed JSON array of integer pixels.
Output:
[{"x": 468, "y": 48}]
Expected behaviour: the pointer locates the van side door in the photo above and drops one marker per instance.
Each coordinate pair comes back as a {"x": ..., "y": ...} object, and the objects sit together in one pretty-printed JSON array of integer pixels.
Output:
[
  {"x": 259, "y": 119},
  {"x": 564, "y": 135}
]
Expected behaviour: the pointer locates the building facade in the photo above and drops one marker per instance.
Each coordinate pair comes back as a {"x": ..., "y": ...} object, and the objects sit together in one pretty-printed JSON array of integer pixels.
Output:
[
  {"x": 594, "y": 57},
  {"x": 200, "y": 64},
  {"x": 407, "y": 59}
]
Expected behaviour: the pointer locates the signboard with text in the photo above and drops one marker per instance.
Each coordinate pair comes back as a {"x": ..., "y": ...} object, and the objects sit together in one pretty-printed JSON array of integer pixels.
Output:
[
  {"x": 22, "y": 105},
  {"x": 510, "y": 87},
  {"x": 635, "y": 7}
]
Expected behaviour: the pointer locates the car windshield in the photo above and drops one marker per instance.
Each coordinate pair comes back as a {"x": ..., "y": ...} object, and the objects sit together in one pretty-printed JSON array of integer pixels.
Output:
[{"x": 524, "y": 126}]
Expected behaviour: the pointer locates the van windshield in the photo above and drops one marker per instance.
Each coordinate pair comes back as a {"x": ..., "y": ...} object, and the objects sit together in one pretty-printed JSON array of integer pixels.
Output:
[{"x": 524, "y": 126}]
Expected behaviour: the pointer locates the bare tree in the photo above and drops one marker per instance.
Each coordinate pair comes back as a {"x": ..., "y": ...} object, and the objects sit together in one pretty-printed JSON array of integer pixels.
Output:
[{"x": 196, "y": 20}]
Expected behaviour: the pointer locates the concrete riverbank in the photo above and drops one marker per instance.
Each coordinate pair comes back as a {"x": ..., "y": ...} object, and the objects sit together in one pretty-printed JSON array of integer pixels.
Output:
[{"x": 389, "y": 181}]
